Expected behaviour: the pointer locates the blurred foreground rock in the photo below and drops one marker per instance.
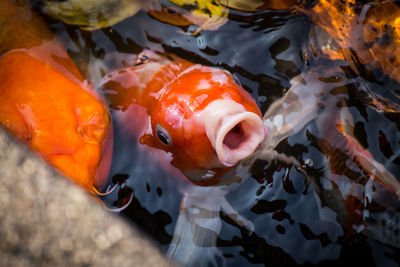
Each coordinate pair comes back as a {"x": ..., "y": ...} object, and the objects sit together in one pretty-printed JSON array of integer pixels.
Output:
[{"x": 47, "y": 221}]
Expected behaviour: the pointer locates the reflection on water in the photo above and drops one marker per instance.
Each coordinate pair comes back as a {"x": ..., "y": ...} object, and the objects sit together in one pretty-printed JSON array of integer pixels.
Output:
[{"x": 321, "y": 190}]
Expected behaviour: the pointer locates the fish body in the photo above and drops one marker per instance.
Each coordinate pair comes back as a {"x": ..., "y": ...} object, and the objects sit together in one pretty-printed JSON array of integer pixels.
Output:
[
  {"x": 46, "y": 102},
  {"x": 203, "y": 123},
  {"x": 197, "y": 114},
  {"x": 357, "y": 187},
  {"x": 366, "y": 32},
  {"x": 367, "y": 193},
  {"x": 91, "y": 15}
]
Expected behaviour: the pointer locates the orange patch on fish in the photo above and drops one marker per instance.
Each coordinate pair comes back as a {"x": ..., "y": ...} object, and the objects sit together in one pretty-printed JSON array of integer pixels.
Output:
[
  {"x": 55, "y": 116},
  {"x": 368, "y": 33}
]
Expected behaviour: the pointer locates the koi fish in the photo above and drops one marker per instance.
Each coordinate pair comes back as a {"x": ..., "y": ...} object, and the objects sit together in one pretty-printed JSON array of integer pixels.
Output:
[
  {"x": 137, "y": 93},
  {"x": 298, "y": 107},
  {"x": 366, "y": 33},
  {"x": 362, "y": 182},
  {"x": 205, "y": 14},
  {"x": 204, "y": 121},
  {"x": 91, "y": 15},
  {"x": 46, "y": 102},
  {"x": 352, "y": 178},
  {"x": 199, "y": 115}
]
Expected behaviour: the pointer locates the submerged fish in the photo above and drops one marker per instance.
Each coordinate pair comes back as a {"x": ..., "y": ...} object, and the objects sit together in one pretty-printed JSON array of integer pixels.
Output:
[
  {"x": 204, "y": 123},
  {"x": 93, "y": 14},
  {"x": 47, "y": 104},
  {"x": 206, "y": 14},
  {"x": 169, "y": 94},
  {"x": 199, "y": 115},
  {"x": 367, "y": 32},
  {"x": 348, "y": 180}
]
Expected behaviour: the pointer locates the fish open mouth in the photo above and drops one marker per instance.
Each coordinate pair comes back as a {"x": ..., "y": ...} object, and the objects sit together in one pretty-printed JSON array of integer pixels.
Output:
[
  {"x": 235, "y": 137},
  {"x": 234, "y": 132}
]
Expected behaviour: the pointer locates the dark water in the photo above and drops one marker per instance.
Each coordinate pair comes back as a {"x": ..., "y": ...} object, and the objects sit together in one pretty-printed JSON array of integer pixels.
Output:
[{"x": 301, "y": 215}]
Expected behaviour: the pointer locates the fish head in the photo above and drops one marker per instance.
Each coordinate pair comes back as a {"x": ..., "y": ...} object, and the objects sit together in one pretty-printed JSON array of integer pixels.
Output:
[{"x": 204, "y": 120}]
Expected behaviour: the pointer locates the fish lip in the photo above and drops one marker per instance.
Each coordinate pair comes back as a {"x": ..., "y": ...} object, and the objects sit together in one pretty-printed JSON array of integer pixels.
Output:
[
  {"x": 222, "y": 116},
  {"x": 255, "y": 132}
]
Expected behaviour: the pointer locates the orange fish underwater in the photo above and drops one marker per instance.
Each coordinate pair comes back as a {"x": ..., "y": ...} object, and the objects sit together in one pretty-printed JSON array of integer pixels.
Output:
[
  {"x": 199, "y": 115},
  {"x": 46, "y": 102}
]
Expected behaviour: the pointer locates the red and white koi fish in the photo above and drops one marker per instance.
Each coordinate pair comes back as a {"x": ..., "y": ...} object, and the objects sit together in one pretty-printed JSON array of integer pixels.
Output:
[
  {"x": 204, "y": 120},
  {"x": 207, "y": 122},
  {"x": 197, "y": 114}
]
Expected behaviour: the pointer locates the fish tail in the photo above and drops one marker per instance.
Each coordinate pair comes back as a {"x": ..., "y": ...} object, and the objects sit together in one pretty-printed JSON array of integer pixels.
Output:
[{"x": 344, "y": 139}]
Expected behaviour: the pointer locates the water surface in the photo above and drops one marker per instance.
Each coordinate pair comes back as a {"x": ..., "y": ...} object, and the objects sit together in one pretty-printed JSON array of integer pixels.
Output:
[{"x": 308, "y": 211}]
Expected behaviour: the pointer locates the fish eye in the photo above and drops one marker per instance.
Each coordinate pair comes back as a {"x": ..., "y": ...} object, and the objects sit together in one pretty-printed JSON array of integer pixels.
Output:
[
  {"x": 144, "y": 58},
  {"x": 163, "y": 135}
]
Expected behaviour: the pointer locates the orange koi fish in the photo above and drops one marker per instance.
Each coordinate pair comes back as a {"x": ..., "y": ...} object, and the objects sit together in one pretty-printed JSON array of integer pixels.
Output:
[
  {"x": 365, "y": 32},
  {"x": 46, "y": 102},
  {"x": 199, "y": 115}
]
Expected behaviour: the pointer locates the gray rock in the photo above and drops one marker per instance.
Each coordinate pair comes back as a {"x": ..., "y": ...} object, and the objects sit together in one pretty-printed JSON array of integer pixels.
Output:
[{"x": 47, "y": 221}]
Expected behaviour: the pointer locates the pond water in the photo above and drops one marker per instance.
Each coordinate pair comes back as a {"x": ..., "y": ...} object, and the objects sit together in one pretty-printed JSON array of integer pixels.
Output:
[{"x": 309, "y": 201}]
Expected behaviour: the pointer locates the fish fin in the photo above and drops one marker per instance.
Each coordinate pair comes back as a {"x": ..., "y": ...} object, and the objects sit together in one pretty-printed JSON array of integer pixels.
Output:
[
  {"x": 239, "y": 219},
  {"x": 196, "y": 232},
  {"x": 361, "y": 156},
  {"x": 376, "y": 170},
  {"x": 295, "y": 109}
]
